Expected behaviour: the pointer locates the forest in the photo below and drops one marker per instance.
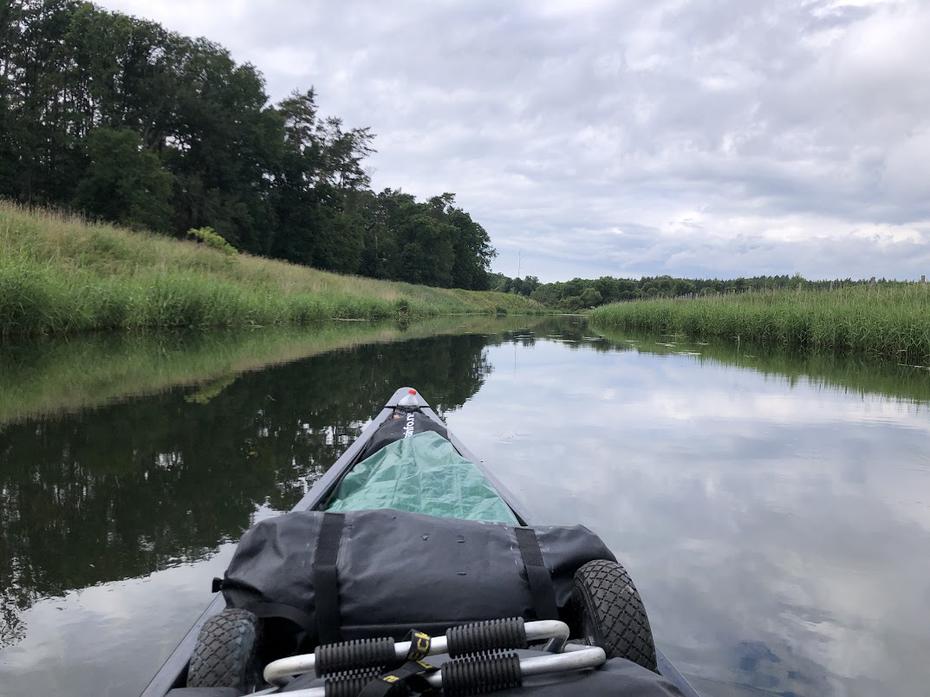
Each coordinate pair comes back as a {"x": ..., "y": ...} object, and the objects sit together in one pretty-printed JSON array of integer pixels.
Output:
[
  {"x": 121, "y": 120},
  {"x": 582, "y": 293}
]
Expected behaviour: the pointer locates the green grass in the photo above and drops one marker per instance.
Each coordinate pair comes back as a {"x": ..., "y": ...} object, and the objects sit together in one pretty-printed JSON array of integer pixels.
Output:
[
  {"x": 889, "y": 320},
  {"x": 59, "y": 274}
]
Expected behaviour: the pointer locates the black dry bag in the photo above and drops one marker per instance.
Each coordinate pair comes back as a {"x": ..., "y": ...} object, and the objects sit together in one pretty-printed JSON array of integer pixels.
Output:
[{"x": 381, "y": 572}]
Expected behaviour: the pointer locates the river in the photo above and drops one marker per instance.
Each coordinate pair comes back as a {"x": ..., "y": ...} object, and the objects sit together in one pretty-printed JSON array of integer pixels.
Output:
[{"x": 774, "y": 510}]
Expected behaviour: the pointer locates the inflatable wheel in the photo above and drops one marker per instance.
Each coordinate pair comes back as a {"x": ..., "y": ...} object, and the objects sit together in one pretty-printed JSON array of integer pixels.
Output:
[
  {"x": 611, "y": 614},
  {"x": 225, "y": 652}
]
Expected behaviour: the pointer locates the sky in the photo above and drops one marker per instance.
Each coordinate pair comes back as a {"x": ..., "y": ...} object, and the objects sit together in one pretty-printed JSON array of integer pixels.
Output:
[{"x": 716, "y": 138}]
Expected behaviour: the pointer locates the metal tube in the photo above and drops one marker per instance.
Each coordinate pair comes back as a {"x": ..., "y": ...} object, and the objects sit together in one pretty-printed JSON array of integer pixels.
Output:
[
  {"x": 572, "y": 646},
  {"x": 276, "y": 671},
  {"x": 590, "y": 657},
  {"x": 546, "y": 629}
]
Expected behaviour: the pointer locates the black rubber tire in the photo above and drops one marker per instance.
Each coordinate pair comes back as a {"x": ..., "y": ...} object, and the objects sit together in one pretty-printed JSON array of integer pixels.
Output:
[
  {"x": 611, "y": 614},
  {"x": 224, "y": 655}
]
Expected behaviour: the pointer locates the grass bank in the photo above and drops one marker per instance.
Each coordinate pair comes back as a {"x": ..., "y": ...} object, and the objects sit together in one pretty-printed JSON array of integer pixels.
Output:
[
  {"x": 888, "y": 320},
  {"x": 59, "y": 274}
]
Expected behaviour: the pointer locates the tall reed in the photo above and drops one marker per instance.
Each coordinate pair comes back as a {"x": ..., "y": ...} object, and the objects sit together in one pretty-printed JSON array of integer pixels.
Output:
[{"x": 889, "y": 319}]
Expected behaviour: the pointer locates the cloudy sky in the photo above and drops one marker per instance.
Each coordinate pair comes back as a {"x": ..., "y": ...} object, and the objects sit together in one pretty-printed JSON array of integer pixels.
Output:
[{"x": 706, "y": 138}]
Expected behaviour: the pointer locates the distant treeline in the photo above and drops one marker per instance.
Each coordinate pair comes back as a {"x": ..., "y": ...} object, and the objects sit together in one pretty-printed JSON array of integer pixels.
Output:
[
  {"x": 127, "y": 122},
  {"x": 580, "y": 293}
]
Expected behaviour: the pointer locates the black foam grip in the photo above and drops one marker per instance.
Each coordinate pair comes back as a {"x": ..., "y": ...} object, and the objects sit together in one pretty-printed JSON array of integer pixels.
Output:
[
  {"x": 477, "y": 675},
  {"x": 354, "y": 655},
  {"x": 348, "y": 684},
  {"x": 490, "y": 635}
]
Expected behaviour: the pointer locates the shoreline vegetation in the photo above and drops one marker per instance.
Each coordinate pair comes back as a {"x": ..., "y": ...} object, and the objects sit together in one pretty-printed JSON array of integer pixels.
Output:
[
  {"x": 53, "y": 376},
  {"x": 59, "y": 275},
  {"x": 587, "y": 293},
  {"x": 887, "y": 320}
]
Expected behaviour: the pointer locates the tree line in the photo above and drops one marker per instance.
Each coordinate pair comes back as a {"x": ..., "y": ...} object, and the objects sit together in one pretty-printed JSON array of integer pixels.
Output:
[
  {"x": 581, "y": 293},
  {"x": 124, "y": 121}
]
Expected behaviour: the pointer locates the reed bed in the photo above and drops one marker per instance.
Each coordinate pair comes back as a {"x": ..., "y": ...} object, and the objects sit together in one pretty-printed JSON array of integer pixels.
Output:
[
  {"x": 59, "y": 274},
  {"x": 891, "y": 320}
]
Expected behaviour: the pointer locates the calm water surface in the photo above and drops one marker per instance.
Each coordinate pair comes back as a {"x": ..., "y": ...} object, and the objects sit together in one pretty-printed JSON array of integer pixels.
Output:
[{"x": 774, "y": 511}]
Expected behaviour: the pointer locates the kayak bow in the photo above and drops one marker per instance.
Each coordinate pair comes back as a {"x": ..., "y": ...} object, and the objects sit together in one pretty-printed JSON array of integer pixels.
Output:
[{"x": 334, "y": 491}]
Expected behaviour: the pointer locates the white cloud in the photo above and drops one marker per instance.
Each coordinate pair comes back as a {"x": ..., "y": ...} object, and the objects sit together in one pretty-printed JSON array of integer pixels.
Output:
[{"x": 800, "y": 132}]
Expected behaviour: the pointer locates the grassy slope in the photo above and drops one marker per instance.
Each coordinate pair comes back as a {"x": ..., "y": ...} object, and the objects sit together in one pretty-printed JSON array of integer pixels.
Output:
[
  {"x": 890, "y": 320},
  {"x": 58, "y": 274}
]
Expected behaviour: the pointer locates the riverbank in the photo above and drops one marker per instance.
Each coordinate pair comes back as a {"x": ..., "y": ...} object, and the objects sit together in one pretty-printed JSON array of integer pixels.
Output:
[
  {"x": 59, "y": 274},
  {"x": 888, "y": 320}
]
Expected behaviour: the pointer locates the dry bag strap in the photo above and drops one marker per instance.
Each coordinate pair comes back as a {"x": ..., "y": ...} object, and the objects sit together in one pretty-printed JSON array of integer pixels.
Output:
[
  {"x": 420, "y": 643},
  {"x": 325, "y": 579},
  {"x": 400, "y": 681},
  {"x": 269, "y": 610},
  {"x": 287, "y": 612},
  {"x": 537, "y": 575}
]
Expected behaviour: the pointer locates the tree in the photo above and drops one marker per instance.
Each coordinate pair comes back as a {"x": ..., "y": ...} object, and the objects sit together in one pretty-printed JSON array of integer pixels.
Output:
[
  {"x": 107, "y": 113},
  {"x": 322, "y": 215},
  {"x": 548, "y": 294},
  {"x": 499, "y": 282},
  {"x": 124, "y": 182},
  {"x": 471, "y": 245},
  {"x": 222, "y": 146},
  {"x": 426, "y": 251},
  {"x": 590, "y": 297}
]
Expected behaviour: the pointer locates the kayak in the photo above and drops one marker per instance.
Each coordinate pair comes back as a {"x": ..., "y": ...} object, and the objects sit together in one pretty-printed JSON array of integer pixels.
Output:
[{"x": 403, "y": 502}]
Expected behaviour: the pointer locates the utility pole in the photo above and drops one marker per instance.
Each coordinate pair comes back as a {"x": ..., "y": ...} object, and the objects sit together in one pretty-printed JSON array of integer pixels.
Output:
[{"x": 519, "y": 261}]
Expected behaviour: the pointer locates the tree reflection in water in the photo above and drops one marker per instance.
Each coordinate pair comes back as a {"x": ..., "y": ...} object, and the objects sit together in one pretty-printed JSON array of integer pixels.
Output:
[{"x": 123, "y": 490}]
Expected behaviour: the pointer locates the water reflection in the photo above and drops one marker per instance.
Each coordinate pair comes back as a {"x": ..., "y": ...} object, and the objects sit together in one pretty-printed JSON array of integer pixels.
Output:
[
  {"x": 766, "y": 515},
  {"x": 765, "y": 503},
  {"x": 54, "y": 377}
]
